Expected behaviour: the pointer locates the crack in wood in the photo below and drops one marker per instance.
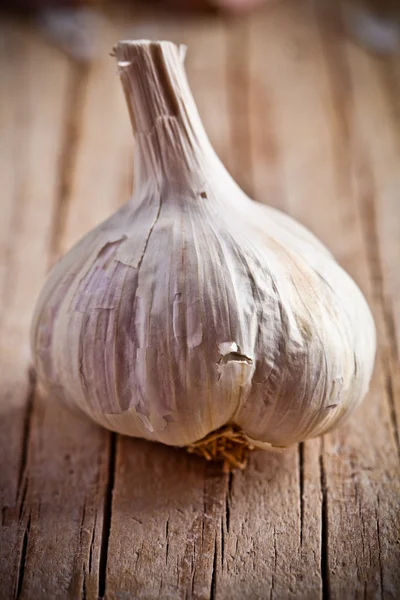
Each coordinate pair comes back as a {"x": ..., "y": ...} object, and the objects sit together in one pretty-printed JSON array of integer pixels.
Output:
[
  {"x": 80, "y": 546},
  {"x": 301, "y": 490},
  {"x": 25, "y": 438},
  {"x": 193, "y": 572},
  {"x": 92, "y": 546},
  {"x": 324, "y": 529},
  {"x": 228, "y": 499},
  {"x": 22, "y": 498},
  {"x": 272, "y": 589},
  {"x": 213, "y": 588},
  {"x": 202, "y": 530},
  {"x": 21, "y": 568},
  {"x": 222, "y": 542},
  {"x": 225, "y": 523},
  {"x": 83, "y": 583},
  {"x": 379, "y": 545},
  {"x": 167, "y": 541},
  {"x": 82, "y": 521},
  {"x": 106, "y": 528}
]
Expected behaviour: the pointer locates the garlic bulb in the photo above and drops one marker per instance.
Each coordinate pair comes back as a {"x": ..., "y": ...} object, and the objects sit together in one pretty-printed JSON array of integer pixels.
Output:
[{"x": 194, "y": 307}]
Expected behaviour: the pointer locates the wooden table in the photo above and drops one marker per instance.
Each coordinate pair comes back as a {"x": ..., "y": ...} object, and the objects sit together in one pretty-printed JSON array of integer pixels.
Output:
[{"x": 306, "y": 121}]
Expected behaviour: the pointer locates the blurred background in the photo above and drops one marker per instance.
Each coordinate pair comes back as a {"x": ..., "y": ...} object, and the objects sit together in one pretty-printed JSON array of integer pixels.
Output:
[
  {"x": 72, "y": 23},
  {"x": 273, "y": 79},
  {"x": 238, "y": 51}
]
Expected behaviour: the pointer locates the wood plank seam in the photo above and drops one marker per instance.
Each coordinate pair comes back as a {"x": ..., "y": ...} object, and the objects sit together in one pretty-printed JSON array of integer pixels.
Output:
[
  {"x": 107, "y": 514},
  {"x": 324, "y": 528},
  {"x": 301, "y": 490},
  {"x": 21, "y": 568},
  {"x": 379, "y": 547},
  {"x": 26, "y": 436}
]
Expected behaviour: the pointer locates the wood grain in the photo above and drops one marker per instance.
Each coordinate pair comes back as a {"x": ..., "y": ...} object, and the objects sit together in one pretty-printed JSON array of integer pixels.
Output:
[
  {"x": 32, "y": 76},
  {"x": 307, "y": 122},
  {"x": 317, "y": 140}
]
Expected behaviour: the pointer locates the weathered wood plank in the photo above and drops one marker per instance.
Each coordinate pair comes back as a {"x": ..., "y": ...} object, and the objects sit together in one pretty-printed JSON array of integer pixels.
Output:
[
  {"x": 374, "y": 470},
  {"x": 369, "y": 469},
  {"x": 66, "y": 474},
  {"x": 34, "y": 84},
  {"x": 308, "y": 85}
]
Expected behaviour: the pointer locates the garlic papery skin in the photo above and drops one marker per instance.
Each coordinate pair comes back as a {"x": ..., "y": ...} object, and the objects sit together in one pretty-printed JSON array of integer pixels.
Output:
[{"x": 194, "y": 307}]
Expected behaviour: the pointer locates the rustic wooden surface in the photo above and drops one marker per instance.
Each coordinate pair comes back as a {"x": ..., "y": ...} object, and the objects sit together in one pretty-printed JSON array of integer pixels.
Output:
[{"x": 310, "y": 123}]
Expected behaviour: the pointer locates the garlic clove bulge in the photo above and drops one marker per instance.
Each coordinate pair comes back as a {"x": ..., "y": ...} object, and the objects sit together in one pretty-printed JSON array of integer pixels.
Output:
[{"x": 193, "y": 307}]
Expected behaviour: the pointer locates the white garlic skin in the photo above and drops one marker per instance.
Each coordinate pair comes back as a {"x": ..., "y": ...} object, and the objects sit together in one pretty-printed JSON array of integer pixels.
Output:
[{"x": 194, "y": 307}]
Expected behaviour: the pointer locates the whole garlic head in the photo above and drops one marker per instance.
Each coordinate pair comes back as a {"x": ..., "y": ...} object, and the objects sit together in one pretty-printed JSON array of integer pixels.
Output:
[{"x": 194, "y": 307}]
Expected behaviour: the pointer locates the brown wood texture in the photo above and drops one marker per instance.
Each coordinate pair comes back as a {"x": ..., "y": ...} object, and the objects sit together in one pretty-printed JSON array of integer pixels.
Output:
[{"x": 306, "y": 121}]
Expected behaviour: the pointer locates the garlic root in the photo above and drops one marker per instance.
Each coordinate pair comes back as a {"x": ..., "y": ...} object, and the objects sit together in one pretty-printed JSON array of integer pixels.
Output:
[{"x": 227, "y": 444}]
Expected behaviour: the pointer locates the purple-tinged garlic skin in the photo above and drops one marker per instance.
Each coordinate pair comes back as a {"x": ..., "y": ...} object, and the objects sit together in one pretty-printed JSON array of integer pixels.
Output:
[{"x": 193, "y": 306}]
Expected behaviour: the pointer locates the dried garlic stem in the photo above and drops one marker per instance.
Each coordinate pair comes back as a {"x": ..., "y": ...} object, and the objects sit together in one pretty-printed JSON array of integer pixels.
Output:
[{"x": 172, "y": 146}]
